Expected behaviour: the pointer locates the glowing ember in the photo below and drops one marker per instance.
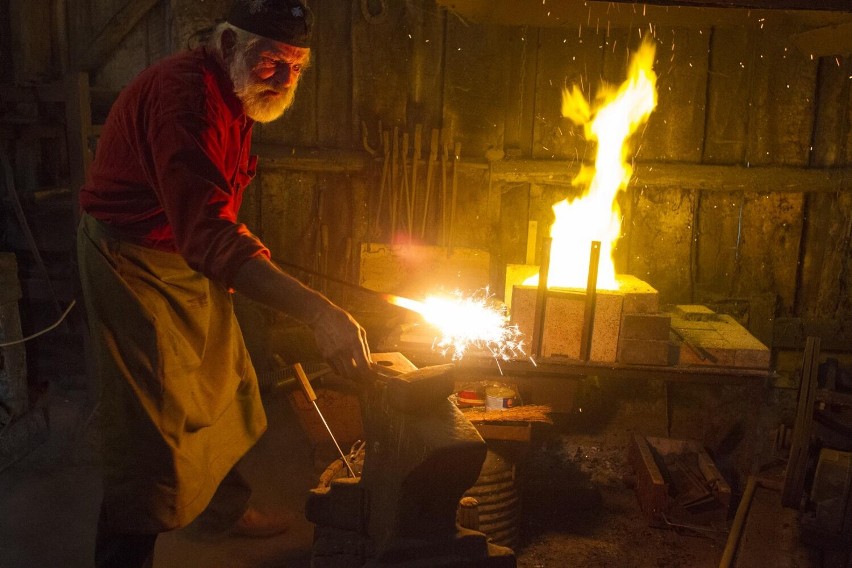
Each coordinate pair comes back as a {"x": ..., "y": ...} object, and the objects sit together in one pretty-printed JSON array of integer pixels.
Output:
[
  {"x": 467, "y": 322},
  {"x": 595, "y": 216}
]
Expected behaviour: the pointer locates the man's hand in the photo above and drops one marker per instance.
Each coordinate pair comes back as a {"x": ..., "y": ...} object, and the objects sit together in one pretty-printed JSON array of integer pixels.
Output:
[{"x": 343, "y": 343}]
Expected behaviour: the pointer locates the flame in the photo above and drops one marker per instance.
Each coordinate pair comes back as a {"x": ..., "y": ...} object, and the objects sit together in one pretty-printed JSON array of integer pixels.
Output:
[
  {"x": 595, "y": 215},
  {"x": 465, "y": 322}
]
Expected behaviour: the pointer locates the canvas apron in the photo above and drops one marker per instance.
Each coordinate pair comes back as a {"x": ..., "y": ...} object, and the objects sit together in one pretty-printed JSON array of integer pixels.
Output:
[{"x": 179, "y": 403}]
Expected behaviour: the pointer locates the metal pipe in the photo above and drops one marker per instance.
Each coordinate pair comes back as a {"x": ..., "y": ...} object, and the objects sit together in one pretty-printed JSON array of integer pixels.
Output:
[
  {"x": 541, "y": 297},
  {"x": 591, "y": 299}
]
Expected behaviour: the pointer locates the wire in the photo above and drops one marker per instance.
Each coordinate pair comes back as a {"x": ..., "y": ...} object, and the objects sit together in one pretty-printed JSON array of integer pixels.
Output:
[{"x": 42, "y": 332}]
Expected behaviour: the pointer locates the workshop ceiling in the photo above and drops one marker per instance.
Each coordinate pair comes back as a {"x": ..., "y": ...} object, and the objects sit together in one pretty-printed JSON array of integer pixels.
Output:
[{"x": 822, "y": 27}]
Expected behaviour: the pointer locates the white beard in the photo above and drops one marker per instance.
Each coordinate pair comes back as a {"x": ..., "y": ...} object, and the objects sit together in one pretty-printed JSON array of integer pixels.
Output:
[{"x": 262, "y": 101}]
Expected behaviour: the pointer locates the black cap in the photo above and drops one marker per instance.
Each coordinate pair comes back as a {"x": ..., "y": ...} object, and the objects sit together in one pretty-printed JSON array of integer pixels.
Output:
[{"x": 287, "y": 21}]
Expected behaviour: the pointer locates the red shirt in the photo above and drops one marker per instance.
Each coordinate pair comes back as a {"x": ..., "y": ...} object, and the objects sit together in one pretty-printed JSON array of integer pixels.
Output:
[{"x": 172, "y": 163}]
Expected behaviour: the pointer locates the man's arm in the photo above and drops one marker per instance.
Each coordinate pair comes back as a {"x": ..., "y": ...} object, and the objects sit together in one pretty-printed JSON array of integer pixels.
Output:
[{"x": 340, "y": 339}]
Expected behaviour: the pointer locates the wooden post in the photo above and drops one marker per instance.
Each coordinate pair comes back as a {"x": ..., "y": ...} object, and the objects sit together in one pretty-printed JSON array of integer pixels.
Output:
[
  {"x": 78, "y": 125},
  {"x": 794, "y": 479}
]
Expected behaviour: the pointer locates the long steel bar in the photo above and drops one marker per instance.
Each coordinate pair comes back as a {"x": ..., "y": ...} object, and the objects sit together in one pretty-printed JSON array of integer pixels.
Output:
[
  {"x": 591, "y": 299},
  {"x": 309, "y": 392},
  {"x": 541, "y": 298}
]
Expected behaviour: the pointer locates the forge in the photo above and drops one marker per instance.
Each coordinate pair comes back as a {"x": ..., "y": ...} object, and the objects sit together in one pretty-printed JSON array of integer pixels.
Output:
[{"x": 562, "y": 331}]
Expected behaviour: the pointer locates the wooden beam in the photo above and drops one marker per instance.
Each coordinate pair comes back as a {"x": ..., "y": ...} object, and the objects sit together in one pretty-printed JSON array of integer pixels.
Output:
[
  {"x": 666, "y": 13},
  {"x": 686, "y": 176},
  {"x": 43, "y": 92},
  {"x": 648, "y": 175},
  {"x": 826, "y": 41},
  {"x": 112, "y": 34},
  {"x": 310, "y": 159},
  {"x": 78, "y": 122},
  {"x": 832, "y": 5}
]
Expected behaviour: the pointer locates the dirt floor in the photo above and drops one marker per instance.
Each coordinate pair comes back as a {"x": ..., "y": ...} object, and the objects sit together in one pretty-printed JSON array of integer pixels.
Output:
[{"x": 579, "y": 509}]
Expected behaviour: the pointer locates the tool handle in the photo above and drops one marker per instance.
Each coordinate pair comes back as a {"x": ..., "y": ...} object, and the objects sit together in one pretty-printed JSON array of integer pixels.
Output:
[{"x": 304, "y": 382}]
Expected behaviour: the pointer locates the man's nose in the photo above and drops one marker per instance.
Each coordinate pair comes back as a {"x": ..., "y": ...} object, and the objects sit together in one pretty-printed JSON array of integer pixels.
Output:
[{"x": 285, "y": 76}]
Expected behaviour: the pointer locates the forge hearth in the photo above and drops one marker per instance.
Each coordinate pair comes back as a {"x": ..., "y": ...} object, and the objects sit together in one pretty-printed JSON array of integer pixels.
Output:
[{"x": 563, "y": 326}]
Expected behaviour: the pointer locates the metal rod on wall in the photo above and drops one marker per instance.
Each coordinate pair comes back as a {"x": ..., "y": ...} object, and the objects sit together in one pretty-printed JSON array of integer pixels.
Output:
[
  {"x": 591, "y": 298},
  {"x": 541, "y": 298}
]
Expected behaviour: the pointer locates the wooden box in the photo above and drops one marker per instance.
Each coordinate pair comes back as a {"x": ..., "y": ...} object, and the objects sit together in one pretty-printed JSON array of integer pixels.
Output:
[{"x": 661, "y": 490}]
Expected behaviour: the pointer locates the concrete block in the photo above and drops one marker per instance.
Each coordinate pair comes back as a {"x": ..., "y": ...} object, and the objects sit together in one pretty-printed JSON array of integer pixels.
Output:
[
  {"x": 708, "y": 338},
  {"x": 639, "y": 296},
  {"x": 647, "y": 352},
  {"x": 563, "y": 322},
  {"x": 645, "y": 326},
  {"x": 695, "y": 312}
]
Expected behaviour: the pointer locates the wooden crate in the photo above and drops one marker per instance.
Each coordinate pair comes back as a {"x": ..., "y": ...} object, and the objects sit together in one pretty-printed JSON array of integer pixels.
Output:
[{"x": 654, "y": 487}]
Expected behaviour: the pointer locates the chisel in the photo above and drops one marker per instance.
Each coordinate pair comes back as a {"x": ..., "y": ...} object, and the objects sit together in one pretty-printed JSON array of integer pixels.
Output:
[{"x": 309, "y": 392}]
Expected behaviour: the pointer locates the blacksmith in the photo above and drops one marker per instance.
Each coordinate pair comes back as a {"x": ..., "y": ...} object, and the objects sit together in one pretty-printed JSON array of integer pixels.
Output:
[{"x": 160, "y": 251}]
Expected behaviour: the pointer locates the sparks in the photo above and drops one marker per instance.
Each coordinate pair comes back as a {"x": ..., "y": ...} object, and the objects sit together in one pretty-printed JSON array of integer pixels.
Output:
[{"x": 465, "y": 322}]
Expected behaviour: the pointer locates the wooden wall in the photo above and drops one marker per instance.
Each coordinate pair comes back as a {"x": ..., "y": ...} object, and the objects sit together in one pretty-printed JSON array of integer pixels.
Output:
[{"x": 741, "y": 197}]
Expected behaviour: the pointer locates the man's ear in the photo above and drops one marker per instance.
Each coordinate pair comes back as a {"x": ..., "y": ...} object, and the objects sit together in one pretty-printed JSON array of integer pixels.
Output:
[{"x": 227, "y": 43}]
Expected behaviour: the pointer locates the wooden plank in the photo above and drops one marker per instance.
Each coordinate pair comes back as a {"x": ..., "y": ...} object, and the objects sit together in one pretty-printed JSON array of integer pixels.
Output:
[
  {"x": 30, "y": 41},
  {"x": 828, "y": 220},
  {"x": 280, "y": 156},
  {"x": 828, "y": 40},
  {"x": 685, "y": 176},
  {"x": 665, "y": 13},
  {"x": 381, "y": 52},
  {"x": 114, "y": 32},
  {"x": 425, "y": 26},
  {"x": 331, "y": 44},
  {"x": 791, "y": 333},
  {"x": 727, "y": 102},
  {"x": 476, "y": 96},
  {"x": 832, "y": 132},
  {"x": 827, "y": 226},
  {"x": 290, "y": 196},
  {"x": 520, "y": 109},
  {"x": 675, "y": 129},
  {"x": 661, "y": 241},
  {"x": 78, "y": 120},
  {"x": 43, "y": 92},
  {"x": 794, "y": 479},
  {"x": 771, "y": 233},
  {"x": 565, "y": 59},
  {"x": 718, "y": 245},
  {"x": 514, "y": 225},
  {"x": 783, "y": 85},
  {"x": 770, "y": 535}
]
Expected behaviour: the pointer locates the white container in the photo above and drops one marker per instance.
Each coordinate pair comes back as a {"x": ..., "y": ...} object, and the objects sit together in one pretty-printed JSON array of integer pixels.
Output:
[{"x": 499, "y": 398}]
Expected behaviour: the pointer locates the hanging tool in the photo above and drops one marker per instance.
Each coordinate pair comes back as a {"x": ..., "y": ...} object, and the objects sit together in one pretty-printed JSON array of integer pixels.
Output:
[
  {"x": 415, "y": 158},
  {"x": 405, "y": 187},
  {"x": 433, "y": 155},
  {"x": 394, "y": 181},
  {"x": 309, "y": 392},
  {"x": 444, "y": 212},
  {"x": 385, "y": 167},
  {"x": 454, "y": 197}
]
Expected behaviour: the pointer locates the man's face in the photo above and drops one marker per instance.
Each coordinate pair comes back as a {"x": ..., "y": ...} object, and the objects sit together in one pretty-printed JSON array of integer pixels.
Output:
[{"x": 265, "y": 77}]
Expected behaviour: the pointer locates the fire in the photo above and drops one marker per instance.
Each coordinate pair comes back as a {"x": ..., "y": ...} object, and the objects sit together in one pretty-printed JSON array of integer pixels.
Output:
[
  {"x": 595, "y": 216},
  {"x": 465, "y": 322}
]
